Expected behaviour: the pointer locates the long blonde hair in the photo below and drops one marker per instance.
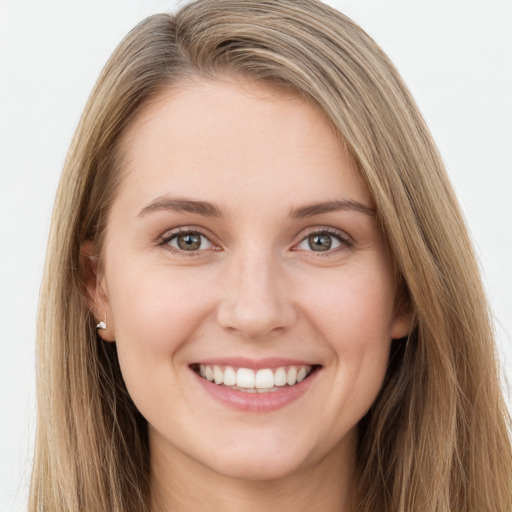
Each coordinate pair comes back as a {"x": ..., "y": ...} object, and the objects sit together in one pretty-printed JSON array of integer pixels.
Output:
[{"x": 438, "y": 436}]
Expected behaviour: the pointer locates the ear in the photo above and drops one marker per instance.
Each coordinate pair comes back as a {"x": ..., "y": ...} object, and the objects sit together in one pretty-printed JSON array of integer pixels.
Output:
[
  {"x": 96, "y": 290},
  {"x": 402, "y": 323},
  {"x": 401, "y": 326}
]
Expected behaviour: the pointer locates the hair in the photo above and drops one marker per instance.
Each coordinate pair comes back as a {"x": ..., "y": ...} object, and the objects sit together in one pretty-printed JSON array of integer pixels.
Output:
[{"x": 437, "y": 438}]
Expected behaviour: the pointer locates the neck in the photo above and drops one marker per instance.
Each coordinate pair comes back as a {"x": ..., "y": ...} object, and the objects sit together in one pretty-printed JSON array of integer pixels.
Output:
[{"x": 179, "y": 483}]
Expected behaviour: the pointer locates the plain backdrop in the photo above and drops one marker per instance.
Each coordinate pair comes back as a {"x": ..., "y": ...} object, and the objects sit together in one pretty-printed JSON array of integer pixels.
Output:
[{"x": 455, "y": 55}]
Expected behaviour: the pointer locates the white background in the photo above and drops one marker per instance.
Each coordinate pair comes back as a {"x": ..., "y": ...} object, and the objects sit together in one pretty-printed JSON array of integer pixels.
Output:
[{"x": 455, "y": 55}]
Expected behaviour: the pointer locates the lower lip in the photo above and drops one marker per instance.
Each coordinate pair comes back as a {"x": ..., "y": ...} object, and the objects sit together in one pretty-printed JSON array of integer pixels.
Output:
[{"x": 257, "y": 402}]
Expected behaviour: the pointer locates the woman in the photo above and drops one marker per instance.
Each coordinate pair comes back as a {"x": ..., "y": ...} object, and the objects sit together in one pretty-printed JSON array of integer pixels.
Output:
[{"x": 259, "y": 291}]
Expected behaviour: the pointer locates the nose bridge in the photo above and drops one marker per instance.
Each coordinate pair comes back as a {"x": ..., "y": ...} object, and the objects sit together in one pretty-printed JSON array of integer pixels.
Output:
[{"x": 255, "y": 301}]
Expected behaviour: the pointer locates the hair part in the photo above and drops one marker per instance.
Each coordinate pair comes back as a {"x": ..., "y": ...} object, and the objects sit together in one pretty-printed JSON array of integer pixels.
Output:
[{"x": 437, "y": 438}]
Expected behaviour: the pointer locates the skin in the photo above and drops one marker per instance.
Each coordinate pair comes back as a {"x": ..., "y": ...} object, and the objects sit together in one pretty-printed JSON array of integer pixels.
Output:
[{"x": 254, "y": 289}]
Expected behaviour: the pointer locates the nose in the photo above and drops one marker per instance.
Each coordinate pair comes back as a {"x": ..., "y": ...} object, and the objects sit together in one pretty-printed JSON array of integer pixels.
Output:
[{"x": 255, "y": 301}]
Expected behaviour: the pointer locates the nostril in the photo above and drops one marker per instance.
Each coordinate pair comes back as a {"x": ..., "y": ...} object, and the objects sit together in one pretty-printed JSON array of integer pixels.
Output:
[{"x": 255, "y": 323}]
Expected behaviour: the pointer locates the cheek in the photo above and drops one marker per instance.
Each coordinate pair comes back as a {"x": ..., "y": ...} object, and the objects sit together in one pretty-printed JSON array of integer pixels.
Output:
[
  {"x": 156, "y": 308},
  {"x": 153, "y": 315},
  {"x": 353, "y": 316},
  {"x": 155, "y": 311},
  {"x": 354, "y": 310}
]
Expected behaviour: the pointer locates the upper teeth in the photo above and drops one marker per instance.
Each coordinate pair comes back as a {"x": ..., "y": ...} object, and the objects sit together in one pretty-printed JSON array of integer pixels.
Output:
[{"x": 265, "y": 378}]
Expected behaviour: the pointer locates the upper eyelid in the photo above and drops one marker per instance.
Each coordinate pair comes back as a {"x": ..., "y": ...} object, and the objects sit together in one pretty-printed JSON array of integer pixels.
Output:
[
  {"x": 183, "y": 230},
  {"x": 343, "y": 235}
]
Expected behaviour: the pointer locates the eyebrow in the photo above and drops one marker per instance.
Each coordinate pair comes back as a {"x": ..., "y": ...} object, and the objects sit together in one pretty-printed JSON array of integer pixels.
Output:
[
  {"x": 181, "y": 205},
  {"x": 207, "y": 209},
  {"x": 331, "y": 206}
]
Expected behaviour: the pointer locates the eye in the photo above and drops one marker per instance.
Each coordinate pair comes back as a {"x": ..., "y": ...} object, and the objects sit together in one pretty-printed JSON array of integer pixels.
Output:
[
  {"x": 188, "y": 241},
  {"x": 323, "y": 241}
]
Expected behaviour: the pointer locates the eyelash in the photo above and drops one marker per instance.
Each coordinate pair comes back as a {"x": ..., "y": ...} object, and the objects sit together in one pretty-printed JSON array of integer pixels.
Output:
[
  {"x": 340, "y": 236},
  {"x": 169, "y": 236}
]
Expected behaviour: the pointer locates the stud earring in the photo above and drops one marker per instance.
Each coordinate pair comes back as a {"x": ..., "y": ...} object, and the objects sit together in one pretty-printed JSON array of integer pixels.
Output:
[{"x": 102, "y": 325}]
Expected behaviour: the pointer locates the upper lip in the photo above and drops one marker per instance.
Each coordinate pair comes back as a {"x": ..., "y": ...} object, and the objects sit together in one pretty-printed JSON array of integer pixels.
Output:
[{"x": 255, "y": 364}]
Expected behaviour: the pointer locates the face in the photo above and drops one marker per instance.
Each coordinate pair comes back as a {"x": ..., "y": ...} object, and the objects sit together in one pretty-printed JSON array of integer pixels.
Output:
[{"x": 245, "y": 281}]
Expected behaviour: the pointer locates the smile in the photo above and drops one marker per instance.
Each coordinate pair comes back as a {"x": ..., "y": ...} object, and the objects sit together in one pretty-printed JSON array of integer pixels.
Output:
[{"x": 264, "y": 380}]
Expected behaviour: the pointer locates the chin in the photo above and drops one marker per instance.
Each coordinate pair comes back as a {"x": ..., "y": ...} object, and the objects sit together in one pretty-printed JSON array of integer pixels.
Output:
[
  {"x": 257, "y": 469},
  {"x": 269, "y": 457}
]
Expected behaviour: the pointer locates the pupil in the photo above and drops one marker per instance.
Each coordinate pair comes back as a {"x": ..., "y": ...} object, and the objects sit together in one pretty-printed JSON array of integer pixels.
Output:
[
  {"x": 189, "y": 242},
  {"x": 320, "y": 242}
]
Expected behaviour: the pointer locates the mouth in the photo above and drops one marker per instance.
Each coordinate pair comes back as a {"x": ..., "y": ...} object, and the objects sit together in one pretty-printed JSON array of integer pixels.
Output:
[{"x": 249, "y": 380}]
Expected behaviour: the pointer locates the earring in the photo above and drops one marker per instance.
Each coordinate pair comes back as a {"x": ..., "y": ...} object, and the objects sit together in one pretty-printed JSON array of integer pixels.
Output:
[{"x": 102, "y": 325}]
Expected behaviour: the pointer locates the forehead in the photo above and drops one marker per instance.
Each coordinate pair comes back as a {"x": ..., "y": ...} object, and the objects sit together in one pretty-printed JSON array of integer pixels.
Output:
[{"x": 228, "y": 135}]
